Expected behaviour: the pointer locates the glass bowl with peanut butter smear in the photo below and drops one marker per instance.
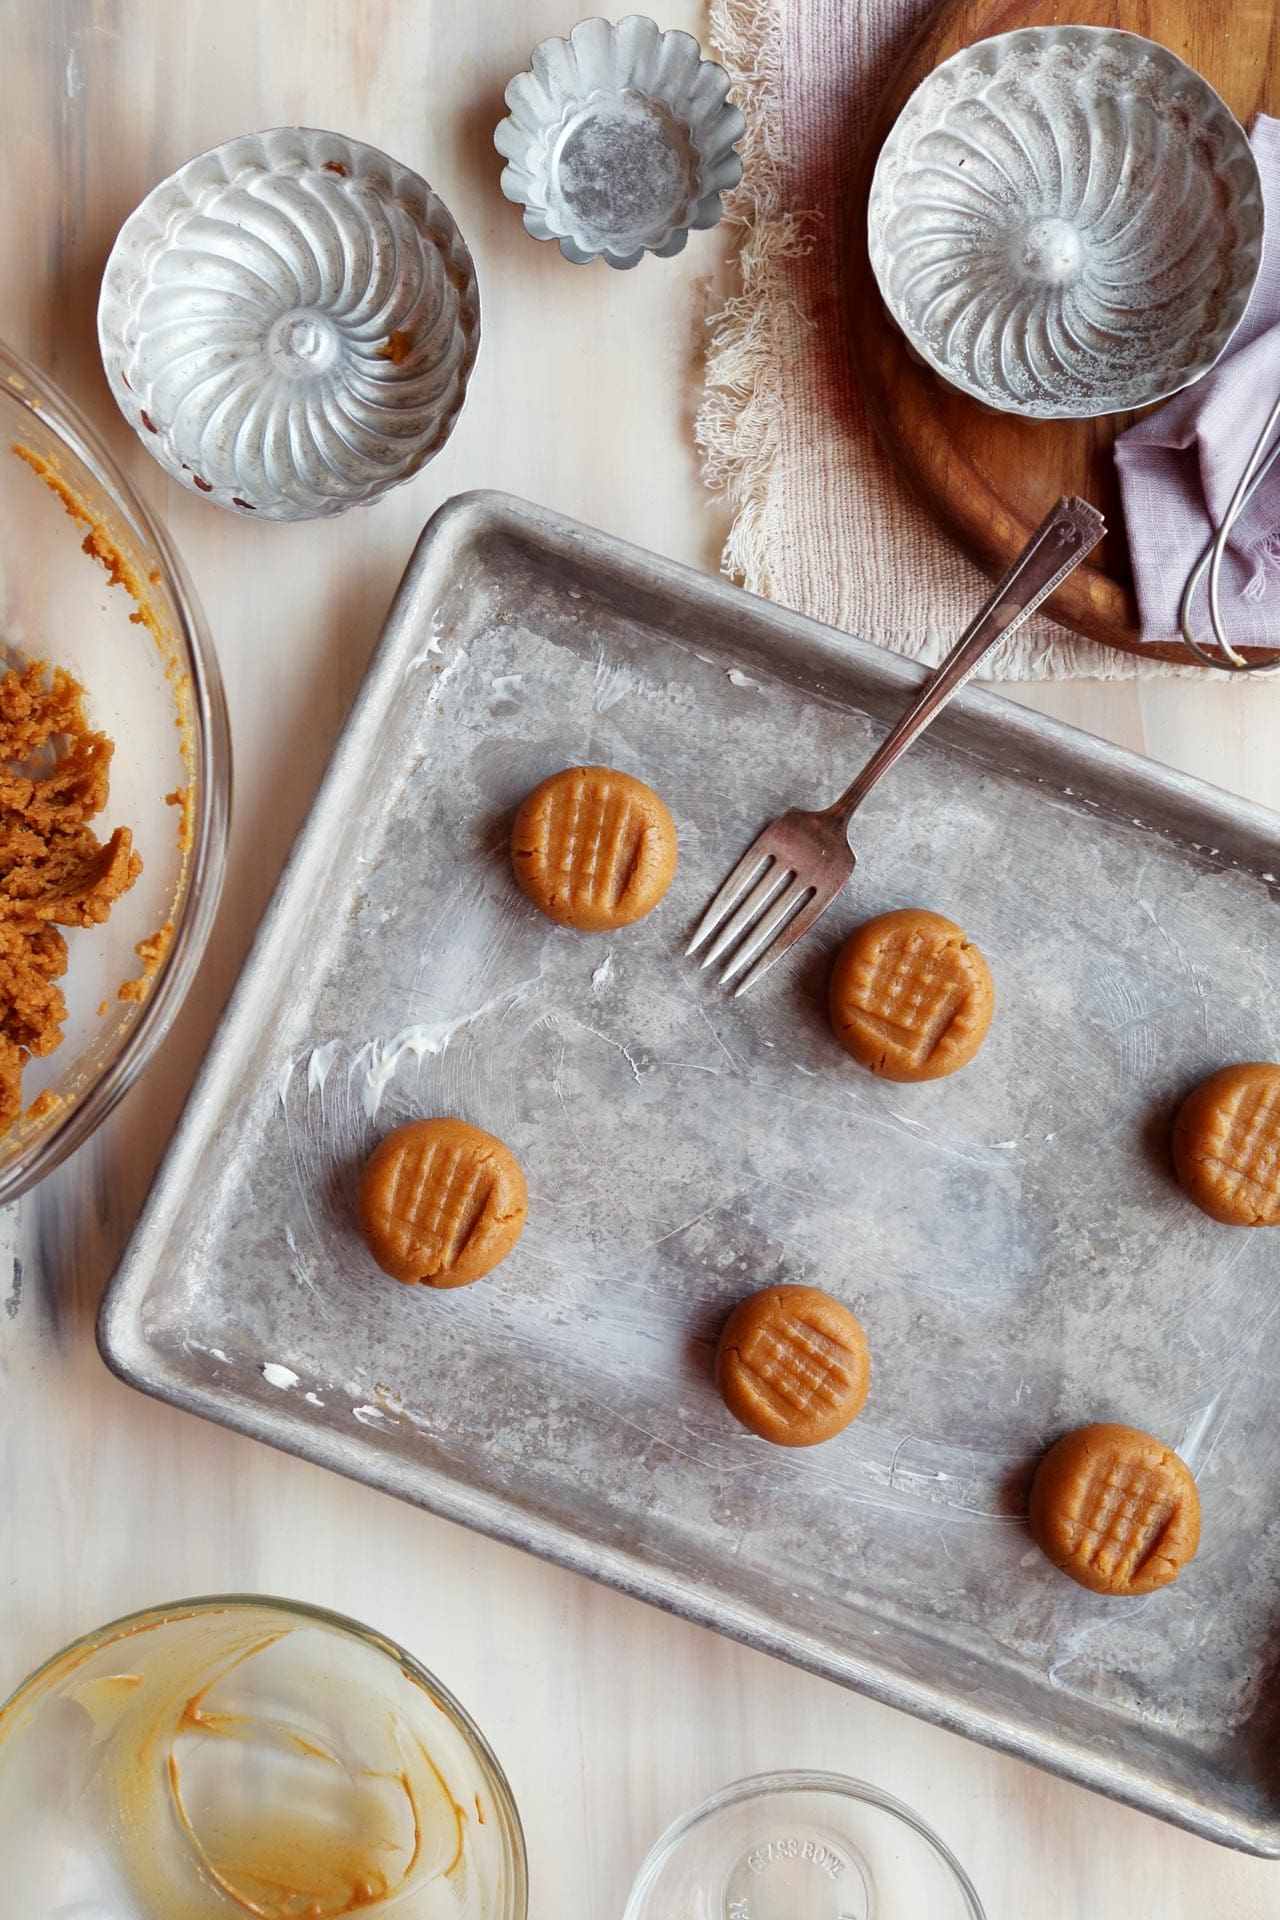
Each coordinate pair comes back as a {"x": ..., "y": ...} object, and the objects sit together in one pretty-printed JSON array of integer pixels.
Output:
[
  {"x": 236, "y": 1756},
  {"x": 115, "y": 780}
]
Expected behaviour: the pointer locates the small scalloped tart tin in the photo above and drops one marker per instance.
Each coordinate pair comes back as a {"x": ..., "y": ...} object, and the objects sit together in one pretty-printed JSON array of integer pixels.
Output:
[
  {"x": 289, "y": 323},
  {"x": 802, "y": 1846},
  {"x": 619, "y": 141},
  {"x": 1066, "y": 222}
]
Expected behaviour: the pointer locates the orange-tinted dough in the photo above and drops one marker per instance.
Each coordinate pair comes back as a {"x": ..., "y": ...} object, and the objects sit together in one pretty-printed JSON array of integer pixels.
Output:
[
  {"x": 1226, "y": 1144},
  {"x": 54, "y": 871},
  {"x": 441, "y": 1202},
  {"x": 793, "y": 1366},
  {"x": 910, "y": 997},
  {"x": 1115, "y": 1509},
  {"x": 594, "y": 848}
]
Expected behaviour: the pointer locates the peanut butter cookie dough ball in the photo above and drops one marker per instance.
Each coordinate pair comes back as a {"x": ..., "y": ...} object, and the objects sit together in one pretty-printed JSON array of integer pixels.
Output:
[
  {"x": 1226, "y": 1144},
  {"x": 910, "y": 997},
  {"x": 594, "y": 848},
  {"x": 793, "y": 1366},
  {"x": 441, "y": 1202},
  {"x": 1115, "y": 1509}
]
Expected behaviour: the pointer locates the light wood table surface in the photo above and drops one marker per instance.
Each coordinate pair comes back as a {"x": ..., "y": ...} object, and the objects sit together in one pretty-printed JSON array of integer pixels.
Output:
[{"x": 610, "y": 1717}]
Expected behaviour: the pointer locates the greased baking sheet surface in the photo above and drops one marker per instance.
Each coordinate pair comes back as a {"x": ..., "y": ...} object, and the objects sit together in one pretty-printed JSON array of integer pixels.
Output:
[{"x": 1011, "y": 1238}]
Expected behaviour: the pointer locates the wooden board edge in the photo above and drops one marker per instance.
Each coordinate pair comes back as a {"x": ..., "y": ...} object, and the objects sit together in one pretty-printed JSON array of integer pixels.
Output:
[{"x": 985, "y": 527}]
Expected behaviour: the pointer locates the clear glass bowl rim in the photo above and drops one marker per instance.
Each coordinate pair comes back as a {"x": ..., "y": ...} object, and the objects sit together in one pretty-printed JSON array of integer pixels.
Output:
[
  {"x": 32, "y": 389},
  {"x": 341, "y": 1623},
  {"x": 760, "y": 1786}
]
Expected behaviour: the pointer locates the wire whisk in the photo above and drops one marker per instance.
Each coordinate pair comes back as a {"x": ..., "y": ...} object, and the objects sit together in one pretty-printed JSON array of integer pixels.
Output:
[{"x": 1258, "y": 466}]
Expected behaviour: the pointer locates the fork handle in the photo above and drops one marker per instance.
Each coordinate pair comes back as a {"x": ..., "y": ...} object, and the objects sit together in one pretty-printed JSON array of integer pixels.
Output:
[{"x": 1059, "y": 543}]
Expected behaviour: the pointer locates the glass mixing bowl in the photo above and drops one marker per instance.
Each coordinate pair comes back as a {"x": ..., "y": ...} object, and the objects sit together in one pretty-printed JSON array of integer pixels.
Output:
[
  {"x": 233, "y": 1756},
  {"x": 90, "y": 582},
  {"x": 802, "y": 1846}
]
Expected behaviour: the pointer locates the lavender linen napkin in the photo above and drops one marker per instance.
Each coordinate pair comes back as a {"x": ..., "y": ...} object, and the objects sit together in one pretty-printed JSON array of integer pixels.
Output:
[{"x": 1179, "y": 467}]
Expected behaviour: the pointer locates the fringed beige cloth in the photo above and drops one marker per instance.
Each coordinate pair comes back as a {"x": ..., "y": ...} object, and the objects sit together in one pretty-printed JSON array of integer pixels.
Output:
[{"x": 820, "y": 520}]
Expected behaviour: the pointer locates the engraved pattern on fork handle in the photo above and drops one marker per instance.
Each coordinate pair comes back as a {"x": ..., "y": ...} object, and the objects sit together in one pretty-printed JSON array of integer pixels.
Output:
[{"x": 1059, "y": 543}]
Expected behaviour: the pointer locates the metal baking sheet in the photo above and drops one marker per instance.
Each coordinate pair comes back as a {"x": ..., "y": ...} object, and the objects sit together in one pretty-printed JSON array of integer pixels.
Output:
[{"x": 1012, "y": 1238}]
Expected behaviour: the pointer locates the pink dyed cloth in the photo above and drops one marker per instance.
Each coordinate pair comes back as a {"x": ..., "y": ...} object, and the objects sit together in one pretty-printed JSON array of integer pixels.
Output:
[{"x": 1179, "y": 467}]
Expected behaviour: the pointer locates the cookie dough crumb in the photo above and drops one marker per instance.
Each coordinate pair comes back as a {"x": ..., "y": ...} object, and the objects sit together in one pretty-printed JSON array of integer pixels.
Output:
[
  {"x": 151, "y": 952},
  {"x": 397, "y": 347},
  {"x": 44, "y": 1104},
  {"x": 100, "y": 545},
  {"x": 183, "y": 797},
  {"x": 103, "y": 1007},
  {"x": 54, "y": 871}
]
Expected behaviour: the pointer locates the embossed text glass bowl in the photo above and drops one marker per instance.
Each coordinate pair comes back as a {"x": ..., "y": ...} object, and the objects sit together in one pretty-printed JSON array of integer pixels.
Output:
[
  {"x": 90, "y": 581},
  {"x": 289, "y": 323},
  {"x": 802, "y": 1846},
  {"x": 239, "y": 1755},
  {"x": 1066, "y": 222}
]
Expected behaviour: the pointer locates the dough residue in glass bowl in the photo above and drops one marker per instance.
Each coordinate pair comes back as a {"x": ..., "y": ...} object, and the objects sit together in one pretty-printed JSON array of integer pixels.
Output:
[{"x": 54, "y": 870}]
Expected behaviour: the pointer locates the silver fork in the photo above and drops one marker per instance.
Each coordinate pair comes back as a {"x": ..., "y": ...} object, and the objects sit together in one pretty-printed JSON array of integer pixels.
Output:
[{"x": 790, "y": 875}]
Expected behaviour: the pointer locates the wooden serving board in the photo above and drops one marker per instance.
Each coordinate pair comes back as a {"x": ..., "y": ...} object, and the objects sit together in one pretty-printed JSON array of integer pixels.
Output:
[{"x": 990, "y": 478}]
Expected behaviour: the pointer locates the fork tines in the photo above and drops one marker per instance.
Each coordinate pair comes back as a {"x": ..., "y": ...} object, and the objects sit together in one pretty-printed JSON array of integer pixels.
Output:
[{"x": 762, "y": 909}]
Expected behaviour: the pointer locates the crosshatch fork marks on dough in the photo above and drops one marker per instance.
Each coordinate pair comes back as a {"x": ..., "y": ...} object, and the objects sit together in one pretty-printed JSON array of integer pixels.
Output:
[
  {"x": 439, "y": 1198},
  {"x": 909, "y": 994},
  {"x": 1243, "y": 1149},
  {"x": 1122, "y": 1517},
  {"x": 798, "y": 1364},
  {"x": 589, "y": 842}
]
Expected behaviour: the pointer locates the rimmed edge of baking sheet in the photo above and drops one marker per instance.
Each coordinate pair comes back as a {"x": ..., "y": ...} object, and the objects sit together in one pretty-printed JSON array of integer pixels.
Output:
[{"x": 464, "y": 521}]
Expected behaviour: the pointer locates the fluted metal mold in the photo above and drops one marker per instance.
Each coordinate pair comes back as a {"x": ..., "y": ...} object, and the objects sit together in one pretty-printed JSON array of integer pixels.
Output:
[
  {"x": 619, "y": 141},
  {"x": 1066, "y": 222},
  {"x": 289, "y": 323}
]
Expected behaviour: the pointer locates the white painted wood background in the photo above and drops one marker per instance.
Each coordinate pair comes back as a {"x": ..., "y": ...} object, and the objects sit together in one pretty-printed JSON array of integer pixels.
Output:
[{"x": 610, "y": 1718}]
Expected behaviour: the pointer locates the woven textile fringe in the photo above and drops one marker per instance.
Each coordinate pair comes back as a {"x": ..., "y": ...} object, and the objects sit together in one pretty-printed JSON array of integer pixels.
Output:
[
  {"x": 801, "y": 504},
  {"x": 739, "y": 423}
]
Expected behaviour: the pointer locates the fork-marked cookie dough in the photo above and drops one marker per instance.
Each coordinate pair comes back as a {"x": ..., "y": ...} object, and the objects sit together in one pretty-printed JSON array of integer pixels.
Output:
[
  {"x": 441, "y": 1202},
  {"x": 1115, "y": 1509},
  {"x": 1226, "y": 1144},
  {"x": 594, "y": 848},
  {"x": 793, "y": 1366},
  {"x": 910, "y": 997}
]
